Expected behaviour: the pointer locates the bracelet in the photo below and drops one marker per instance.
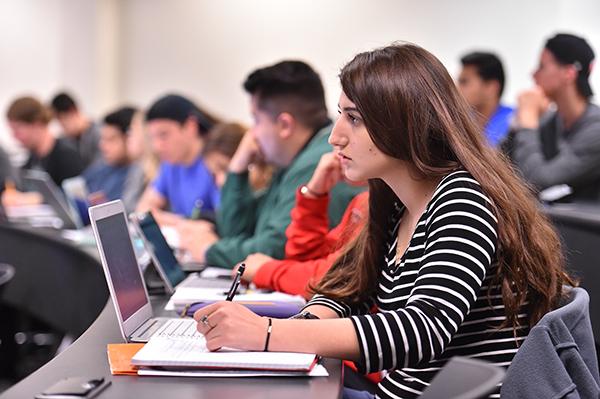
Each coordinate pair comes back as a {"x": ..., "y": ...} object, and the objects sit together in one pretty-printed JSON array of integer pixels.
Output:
[
  {"x": 305, "y": 190},
  {"x": 269, "y": 328}
]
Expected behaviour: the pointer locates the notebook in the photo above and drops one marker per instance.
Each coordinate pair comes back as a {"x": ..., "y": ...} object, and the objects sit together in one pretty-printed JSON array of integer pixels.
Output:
[
  {"x": 124, "y": 278},
  {"x": 168, "y": 267},
  {"x": 183, "y": 352},
  {"x": 318, "y": 371}
]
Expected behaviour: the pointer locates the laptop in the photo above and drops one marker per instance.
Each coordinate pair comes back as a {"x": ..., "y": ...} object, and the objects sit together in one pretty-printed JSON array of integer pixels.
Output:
[
  {"x": 76, "y": 193},
  {"x": 169, "y": 269},
  {"x": 124, "y": 279},
  {"x": 40, "y": 181}
]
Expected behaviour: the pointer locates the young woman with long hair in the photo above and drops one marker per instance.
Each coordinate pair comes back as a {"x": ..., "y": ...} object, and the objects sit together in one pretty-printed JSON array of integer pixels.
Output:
[{"x": 456, "y": 258}]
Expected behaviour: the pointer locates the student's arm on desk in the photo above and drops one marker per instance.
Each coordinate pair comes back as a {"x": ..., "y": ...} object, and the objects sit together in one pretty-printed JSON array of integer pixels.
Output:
[{"x": 331, "y": 337}]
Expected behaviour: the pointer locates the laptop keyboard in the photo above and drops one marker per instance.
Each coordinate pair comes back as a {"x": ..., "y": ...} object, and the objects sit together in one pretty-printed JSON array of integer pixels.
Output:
[{"x": 179, "y": 328}]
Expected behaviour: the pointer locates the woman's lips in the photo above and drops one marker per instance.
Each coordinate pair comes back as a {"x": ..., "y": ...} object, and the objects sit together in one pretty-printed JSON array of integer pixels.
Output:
[{"x": 343, "y": 157}]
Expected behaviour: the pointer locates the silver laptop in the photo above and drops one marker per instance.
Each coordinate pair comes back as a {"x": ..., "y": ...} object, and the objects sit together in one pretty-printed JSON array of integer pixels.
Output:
[
  {"x": 124, "y": 278},
  {"x": 40, "y": 181},
  {"x": 168, "y": 267}
]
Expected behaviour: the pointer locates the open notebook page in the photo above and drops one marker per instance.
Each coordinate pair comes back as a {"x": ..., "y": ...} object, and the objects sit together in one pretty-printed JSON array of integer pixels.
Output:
[{"x": 191, "y": 352}]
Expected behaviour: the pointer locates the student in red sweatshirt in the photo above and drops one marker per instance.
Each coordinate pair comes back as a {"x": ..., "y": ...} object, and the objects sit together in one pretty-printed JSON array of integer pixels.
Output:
[{"x": 311, "y": 247}]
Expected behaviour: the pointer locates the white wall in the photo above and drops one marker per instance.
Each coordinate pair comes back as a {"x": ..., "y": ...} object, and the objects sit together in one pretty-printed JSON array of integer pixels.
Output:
[
  {"x": 51, "y": 45},
  {"x": 110, "y": 51},
  {"x": 206, "y": 48}
]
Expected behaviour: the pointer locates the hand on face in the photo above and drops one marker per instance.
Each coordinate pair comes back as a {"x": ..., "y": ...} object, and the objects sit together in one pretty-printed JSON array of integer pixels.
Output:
[
  {"x": 247, "y": 151},
  {"x": 532, "y": 104},
  {"x": 228, "y": 324},
  {"x": 326, "y": 175},
  {"x": 253, "y": 262}
]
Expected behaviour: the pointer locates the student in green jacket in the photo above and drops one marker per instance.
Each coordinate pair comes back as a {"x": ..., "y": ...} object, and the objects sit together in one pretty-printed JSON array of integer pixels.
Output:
[{"x": 290, "y": 132}]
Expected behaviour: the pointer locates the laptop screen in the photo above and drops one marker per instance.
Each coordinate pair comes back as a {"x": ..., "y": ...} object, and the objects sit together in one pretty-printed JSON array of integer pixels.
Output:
[
  {"x": 161, "y": 249},
  {"x": 122, "y": 264}
]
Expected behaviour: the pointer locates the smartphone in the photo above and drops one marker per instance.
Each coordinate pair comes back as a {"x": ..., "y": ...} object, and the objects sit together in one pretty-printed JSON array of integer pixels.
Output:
[{"x": 74, "y": 387}]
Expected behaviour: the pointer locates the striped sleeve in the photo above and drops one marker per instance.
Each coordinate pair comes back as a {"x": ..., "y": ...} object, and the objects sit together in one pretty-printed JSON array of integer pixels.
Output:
[
  {"x": 461, "y": 239},
  {"x": 340, "y": 308}
]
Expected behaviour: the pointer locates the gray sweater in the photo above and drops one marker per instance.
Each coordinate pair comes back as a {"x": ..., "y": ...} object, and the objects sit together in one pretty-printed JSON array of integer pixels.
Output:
[
  {"x": 551, "y": 155},
  {"x": 558, "y": 358}
]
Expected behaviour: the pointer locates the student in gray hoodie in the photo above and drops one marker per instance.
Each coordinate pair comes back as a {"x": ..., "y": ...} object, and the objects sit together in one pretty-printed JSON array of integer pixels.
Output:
[{"x": 562, "y": 146}]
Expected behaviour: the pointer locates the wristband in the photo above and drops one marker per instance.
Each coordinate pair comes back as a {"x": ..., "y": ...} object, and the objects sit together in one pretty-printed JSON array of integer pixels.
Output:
[
  {"x": 305, "y": 190},
  {"x": 269, "y": 328}
]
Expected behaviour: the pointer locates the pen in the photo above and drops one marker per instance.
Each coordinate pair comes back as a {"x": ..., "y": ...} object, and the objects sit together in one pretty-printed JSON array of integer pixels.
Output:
[
  {"x": 197, "y": 210},
  {"x": 236, "y": 282}
]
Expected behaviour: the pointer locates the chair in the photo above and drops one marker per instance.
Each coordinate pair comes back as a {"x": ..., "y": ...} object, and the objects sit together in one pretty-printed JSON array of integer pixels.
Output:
[
  {"x": 57, "y": 291},
  {"x": 55, "y": 281},
  {"x": 6, "y": 274},
  {"x": 463, "y": 378},
  {"x": 579, "y": 228},
  {"x": 558, "y": 357}
]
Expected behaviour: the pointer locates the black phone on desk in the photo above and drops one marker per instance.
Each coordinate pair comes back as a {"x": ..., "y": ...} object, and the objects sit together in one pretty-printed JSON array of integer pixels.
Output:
[{"x": 74, "y": 388}]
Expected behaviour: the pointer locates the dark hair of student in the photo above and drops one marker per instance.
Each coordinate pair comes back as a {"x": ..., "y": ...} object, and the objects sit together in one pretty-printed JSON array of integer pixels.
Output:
[
  {"x": 121, "y": 119},
  {"x": 28, "y": 110},
  {"x": 488, "y": 67},
  {"x": 292, "y": 87},
  {"x": 388, "y": 87},
  {"x": 63, "y": 102},
  {"x": 573, "y": 50},
  {"x": 179, "y": 109},
  {"x": 224, "y": 138}
]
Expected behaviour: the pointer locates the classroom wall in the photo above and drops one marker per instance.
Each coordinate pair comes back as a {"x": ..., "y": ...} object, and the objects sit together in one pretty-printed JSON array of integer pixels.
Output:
[
  {"x": 108, "y": 52},
  {"x": 50, "y": 45},
  {"x": 206, "y": 48}
]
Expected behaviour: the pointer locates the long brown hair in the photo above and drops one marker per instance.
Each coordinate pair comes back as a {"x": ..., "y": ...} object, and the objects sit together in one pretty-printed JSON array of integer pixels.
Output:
[{"x": 413, "y": 112}]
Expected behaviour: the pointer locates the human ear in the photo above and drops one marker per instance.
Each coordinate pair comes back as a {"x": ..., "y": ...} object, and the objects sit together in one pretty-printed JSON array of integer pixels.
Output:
[{"x": 286, "y": 124}]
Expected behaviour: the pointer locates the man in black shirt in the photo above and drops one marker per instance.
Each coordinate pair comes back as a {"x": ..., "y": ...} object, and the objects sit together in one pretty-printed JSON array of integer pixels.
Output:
[{"x": 28, "y": 120}]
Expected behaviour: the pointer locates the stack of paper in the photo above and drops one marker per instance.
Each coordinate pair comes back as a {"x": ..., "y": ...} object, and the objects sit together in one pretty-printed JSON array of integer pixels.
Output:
[{"x": 188, "y": 357}]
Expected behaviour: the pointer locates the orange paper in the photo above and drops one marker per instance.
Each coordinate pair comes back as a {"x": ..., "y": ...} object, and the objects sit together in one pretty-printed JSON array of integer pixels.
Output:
[{"x": 119, "y": 358}]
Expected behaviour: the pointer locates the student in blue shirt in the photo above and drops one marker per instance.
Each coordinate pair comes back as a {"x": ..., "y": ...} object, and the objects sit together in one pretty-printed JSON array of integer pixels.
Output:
[
  {"x": 105, "y": 179},
  {"x": 184, "y": 184},
  {"x": 481, "y": 82}
]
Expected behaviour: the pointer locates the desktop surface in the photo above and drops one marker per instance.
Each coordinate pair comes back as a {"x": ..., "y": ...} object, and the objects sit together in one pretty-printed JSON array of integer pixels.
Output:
[{"x": 87, "y": 357}]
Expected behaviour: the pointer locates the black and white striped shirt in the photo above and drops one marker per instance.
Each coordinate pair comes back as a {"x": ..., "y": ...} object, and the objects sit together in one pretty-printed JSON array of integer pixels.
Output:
[{"x": 433, "y": 303}]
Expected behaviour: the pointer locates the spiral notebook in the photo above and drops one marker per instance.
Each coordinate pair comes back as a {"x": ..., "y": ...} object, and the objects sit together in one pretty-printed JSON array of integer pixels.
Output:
[{"x": 191, "y": 353}]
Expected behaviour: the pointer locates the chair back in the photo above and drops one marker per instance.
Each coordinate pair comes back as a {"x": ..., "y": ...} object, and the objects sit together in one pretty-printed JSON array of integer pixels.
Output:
[
  {"x": 558, "y": 357},
  {"x": 54, "y": 281},
  {"x": 579, "y": 228},
  {"x": 6, "y": 274}
]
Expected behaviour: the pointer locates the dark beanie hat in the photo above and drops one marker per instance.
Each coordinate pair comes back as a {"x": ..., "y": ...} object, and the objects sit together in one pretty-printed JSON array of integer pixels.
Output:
[
  {"x": 573, "y": 50},
  {"x": 178, "y": 109}
]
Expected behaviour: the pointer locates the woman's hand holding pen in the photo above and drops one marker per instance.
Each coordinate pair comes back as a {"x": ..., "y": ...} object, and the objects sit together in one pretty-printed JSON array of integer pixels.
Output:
[{"x": 232, "y": 325}]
